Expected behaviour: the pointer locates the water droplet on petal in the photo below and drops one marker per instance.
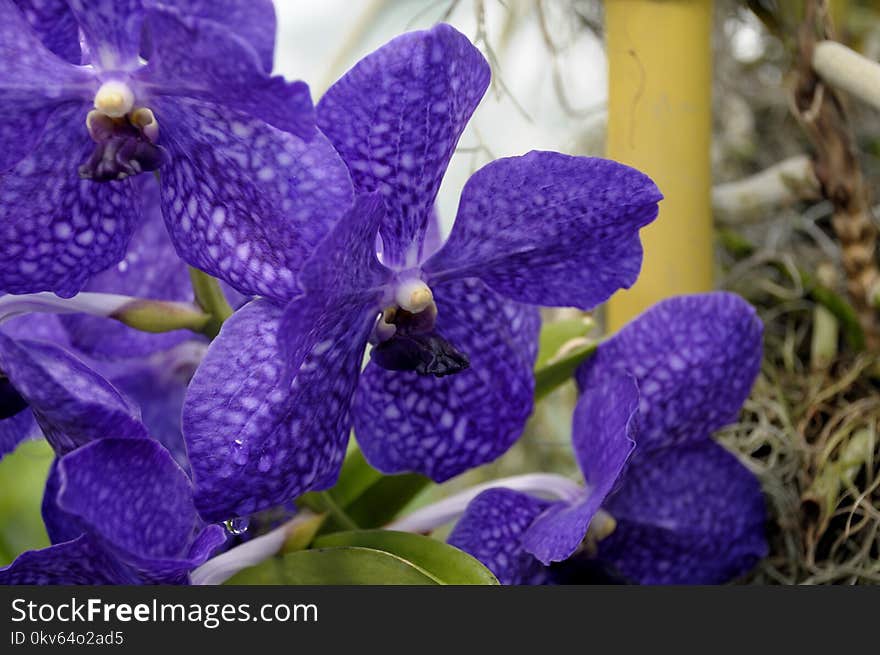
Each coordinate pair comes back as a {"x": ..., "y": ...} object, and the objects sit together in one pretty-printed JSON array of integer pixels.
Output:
[
  {"x": 239, "y": 452},
  {"x": 237, "y": 526}
]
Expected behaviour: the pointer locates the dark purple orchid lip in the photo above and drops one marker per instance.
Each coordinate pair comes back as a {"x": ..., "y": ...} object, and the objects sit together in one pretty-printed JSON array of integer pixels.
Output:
[
  {"x": 11, "y": 402},
  {"x": 405, "y": 338}
]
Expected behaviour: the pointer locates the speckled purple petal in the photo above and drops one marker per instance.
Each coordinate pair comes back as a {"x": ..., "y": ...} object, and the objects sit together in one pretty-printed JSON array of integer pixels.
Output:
[
  {"x": 56, "y": 26},
  {"x": 16, "y": 429},
  {"x": 694, "y": 359},
  {"x": 255, "y": 438},
  {"x": 57, "y": 230},
  {"x": 603, "y": 428},
  {"x": 60, "y": 525},
  {"x": 20, "y": 132},
  {"x": 253, "y": 21},
  {"x": 77, "y": 562},
  {"x": 204, "y": 59},
  {"x": 158, "y": 386},
  {"x": 243, "y": 201},
  {"x": 150, "y": 269},
  {"x": 491, "y": 530},
  {"x": 72, "y": 404},
  {"x": 550, "y": 229},
  {"x": 111, "y": 30},
  {"x": 266, "y": 416},
  {"x": 33, "y": 82},
  {"x": 443, "y": 426},
  {"x": 686, "y": 515},
  {"x": 27, "y": 64},
  {"x": 175, "y": 571},
  {"x": 132, "y": 495},
  {"x": 42, "y": 327},
  {"x": 37, "y": 327},
  {"x": 235, "y": 298},
  {"x": 396, "y": 118},
  {"x": 206, "y": 542},
  {"x": 344, "y": 267},
  {"x": 433, "y": 235}
]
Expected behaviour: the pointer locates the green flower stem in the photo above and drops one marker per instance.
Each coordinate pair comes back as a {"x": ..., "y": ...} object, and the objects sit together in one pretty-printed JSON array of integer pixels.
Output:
[
  {"x": 302, "y": 531},
  {"x": 138, "y": 313},
  {"x": 336, "y": 512},
  {"x": 210, "y": 298},
  {"x": 162, "y": 316},
  {"x": 561, "y": 369},
  {"x": 324, "y": 503}
]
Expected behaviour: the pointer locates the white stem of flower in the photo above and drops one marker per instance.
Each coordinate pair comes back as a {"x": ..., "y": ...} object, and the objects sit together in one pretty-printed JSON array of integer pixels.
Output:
[
  {"x": 849, "y": 71},
  {"x": 782, "y": 184},
  {"x": 545, "y": 485},
  {"x": 97, "y": 304}
]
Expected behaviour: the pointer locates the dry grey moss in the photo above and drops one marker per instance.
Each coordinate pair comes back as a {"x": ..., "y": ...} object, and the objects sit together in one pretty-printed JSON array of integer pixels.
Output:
[{"x": 811, "y": 437}]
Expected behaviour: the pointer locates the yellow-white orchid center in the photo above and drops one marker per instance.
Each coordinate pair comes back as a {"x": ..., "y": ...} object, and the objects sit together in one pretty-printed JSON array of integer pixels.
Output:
[
  {"x": 602, "y": 526},
  {"x": 114, "y": 99},
  {"x": 414, "y": 296},
  {"x": 143, "y": 119}
]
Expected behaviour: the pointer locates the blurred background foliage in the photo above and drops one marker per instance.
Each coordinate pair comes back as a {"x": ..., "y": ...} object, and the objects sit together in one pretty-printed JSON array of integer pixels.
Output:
[{"x": 22, "y": 476}]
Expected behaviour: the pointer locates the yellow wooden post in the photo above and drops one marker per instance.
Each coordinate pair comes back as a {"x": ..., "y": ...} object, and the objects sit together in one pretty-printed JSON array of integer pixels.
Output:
[{"x": 660, "y": 121}]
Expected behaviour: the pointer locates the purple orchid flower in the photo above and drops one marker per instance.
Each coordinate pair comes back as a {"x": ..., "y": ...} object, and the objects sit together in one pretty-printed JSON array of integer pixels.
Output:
[
  {"x": 254, "y": 22},
  {"x": 241, "y": 161},
  {"x": 150, "y": 370},
  {"x": 38, "y": 363},
  {"x": 17, "y": 421},
  {"x": 49, "y": 389},
  {"x": 56, "y": 26},
  {"x": 120, "y": 511},
  {"x": 682, "y": 508},
  {"x": 72, "y": 404},
  {"x": 118, "y": 503},
  {"x": 150, "y": 269},
  {"x": 450, "y": 384}
]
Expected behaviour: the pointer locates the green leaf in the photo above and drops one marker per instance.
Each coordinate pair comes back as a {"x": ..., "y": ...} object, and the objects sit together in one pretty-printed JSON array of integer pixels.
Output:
[
  {"x": 363, "y": 497},
  {"x": 355, "y": 478},
  {"x": 22, "y": 478},
  {"x": 445, "y": 563},
  {"x": 557, "y": 334},
  {"x": 268, "y": 572},
  {"x": 385, "y": 499},
  {"x": 336, "y": 566},
  {"x": 556, "y": 374}
]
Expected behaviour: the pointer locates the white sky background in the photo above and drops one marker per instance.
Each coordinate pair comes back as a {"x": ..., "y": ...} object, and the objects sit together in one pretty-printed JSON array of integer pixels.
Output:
[{"x": 318, "y": 40}]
